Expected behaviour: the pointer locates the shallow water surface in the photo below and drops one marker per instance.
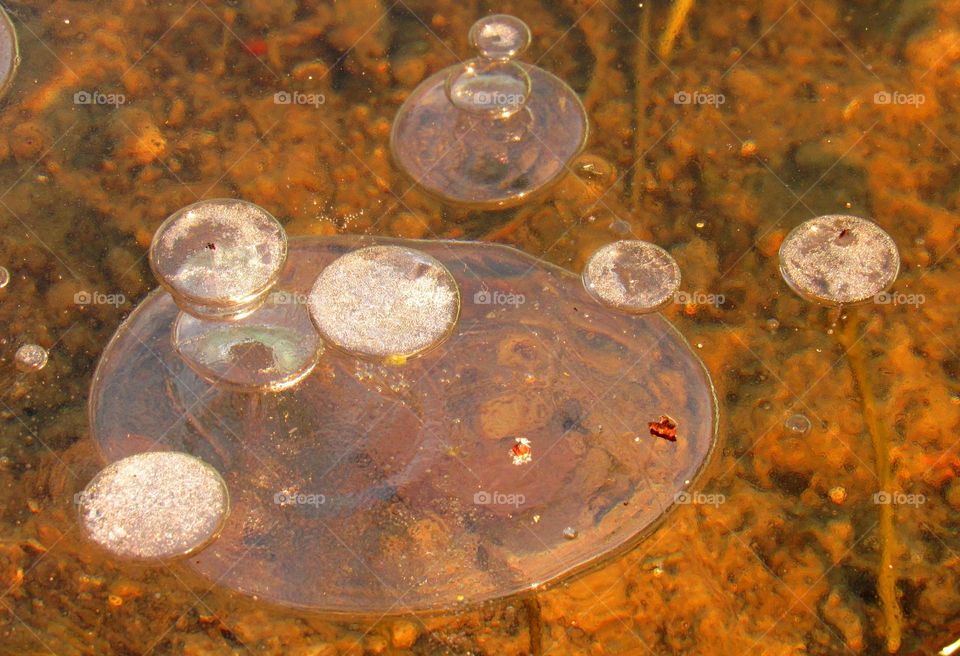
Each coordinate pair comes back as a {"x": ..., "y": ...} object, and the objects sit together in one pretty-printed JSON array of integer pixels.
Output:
[{"x": 825, "y": 523}]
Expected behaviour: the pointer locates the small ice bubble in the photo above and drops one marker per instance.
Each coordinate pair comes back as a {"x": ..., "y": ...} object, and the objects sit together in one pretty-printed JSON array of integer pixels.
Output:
[
  {"x": 499, "y": 36},
  {"x": 30, "y": 357},
  {"x": 798, "y": 423},
  {"x": 632, "y": 275}
]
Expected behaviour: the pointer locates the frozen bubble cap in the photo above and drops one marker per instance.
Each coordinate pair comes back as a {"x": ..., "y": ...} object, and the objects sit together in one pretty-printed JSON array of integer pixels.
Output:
[
  {"x": 632, "y": 275},
  {"x": 385, "y": 302},
  {"x": 493, "y": 130},
  {"x": 154, "y": 506},
  {"x": 219, "y": 258},
  {"x": 500, "y": 36},
  {"x": 839, "y": 260},
  {"x": 492, "y": 84}
]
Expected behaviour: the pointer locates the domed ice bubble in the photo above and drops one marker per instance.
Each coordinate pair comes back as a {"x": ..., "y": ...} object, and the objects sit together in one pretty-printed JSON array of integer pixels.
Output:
[
  {"x": 386, "y": 302},
  {"x": 9, "y": 52},
  {"x": 492, "y": 131},
  {"x": 500, "y": 37},
  {"x": 220, "y": 260},
  {"x": 632, "y": 276},
  {"x": 839, "y": 260},
  {"x": 365, "y": 482},
  {"x": 492, "y": 84},
  {"x": 4, "y": 277},
  {"x": 154, "y": 506}
]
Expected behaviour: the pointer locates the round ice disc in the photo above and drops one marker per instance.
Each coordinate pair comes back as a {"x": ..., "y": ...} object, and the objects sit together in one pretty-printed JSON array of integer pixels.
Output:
[
  {"x": 632, "y": 276},
  {"x": 9, "y": 52},
  {"x": 154, "y": 506},
  {"x": 270, "y": 349},
  {"x": 839, "y": 259},
  {"x": 385, "y": 302},
  {"x": 546, "y": 432},
  {"x": 218, "y": 258}
]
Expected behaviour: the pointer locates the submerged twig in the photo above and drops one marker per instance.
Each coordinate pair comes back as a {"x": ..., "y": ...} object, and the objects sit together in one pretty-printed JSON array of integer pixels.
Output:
[
  {"x": 887, "y": 576},
  {"x": 535, "y": 621},
  {"x": 640, "y": 92},
  {"x": 678, "y": 17}
]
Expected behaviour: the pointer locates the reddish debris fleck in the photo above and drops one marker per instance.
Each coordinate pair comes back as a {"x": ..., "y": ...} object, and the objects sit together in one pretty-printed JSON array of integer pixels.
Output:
[
  {"x": 257, "y": 47},
  {"x": 521, "y": 451},
  {"x": 665, "y": 427}
]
